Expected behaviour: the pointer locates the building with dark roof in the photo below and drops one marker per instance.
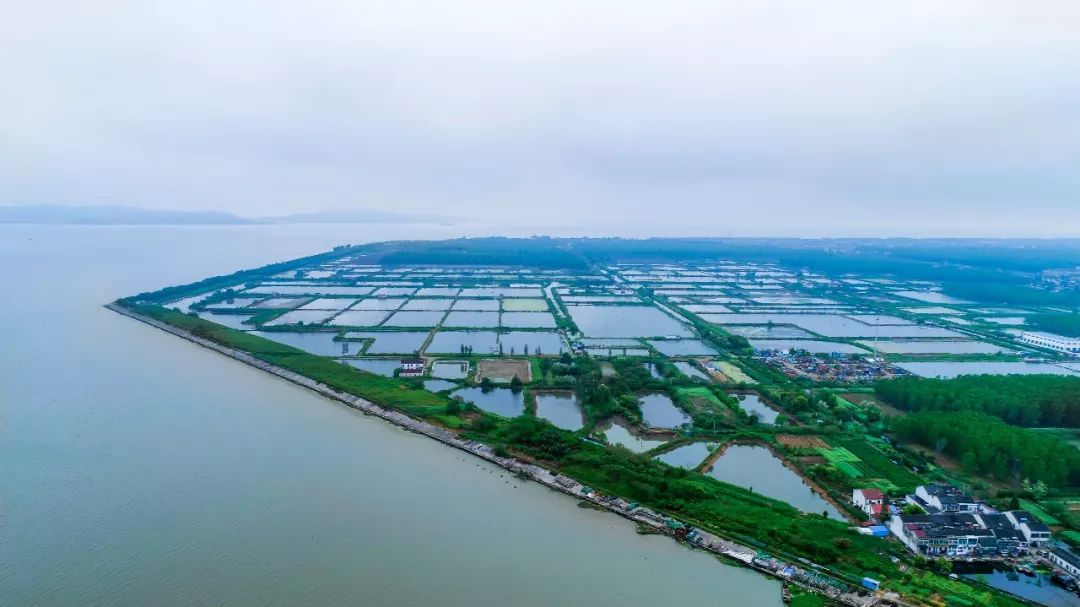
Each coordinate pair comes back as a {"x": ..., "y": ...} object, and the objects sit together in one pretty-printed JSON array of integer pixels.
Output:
[
  {"x": 968, "y": 534},
  {"x": 1010, "y": 540},
  {"x": 1066, "y": 559},
  {"x": 949, "y": 535},
  {"x": 1035, "y": 532},
  {"x": 939, "y": 497}
]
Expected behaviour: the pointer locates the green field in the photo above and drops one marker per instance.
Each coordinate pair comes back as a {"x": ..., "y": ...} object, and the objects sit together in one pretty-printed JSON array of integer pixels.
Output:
[
  {"x": 1041, "y": 515},
  {"x": 1069, "y": 435},
  {"x": 699, "y": 393},
  {"x": 873, "y": 463},
  {"x": 1073, "y": 537},
  {"x": 838, "y": 455},
  {"x": 733, "y": 372}
]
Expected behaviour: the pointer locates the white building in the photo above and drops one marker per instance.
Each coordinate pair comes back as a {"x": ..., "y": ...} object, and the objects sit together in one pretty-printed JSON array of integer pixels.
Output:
[
  {"x": 939, "y": 497},
  {"x": 412, "y": 367},
  {"x": 870, "y": 501},
  {"x": 1069, "y": 345},
  {"x": 1066, "y": 559},
  {"x": 1035, "y": 532}
]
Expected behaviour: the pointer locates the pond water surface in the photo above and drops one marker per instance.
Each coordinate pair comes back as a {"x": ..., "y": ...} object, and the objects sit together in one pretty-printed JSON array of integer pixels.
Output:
[
  {"x": 687, "y": 456},
  {"x": 560, "y": 408},
  {"x": 378, "y": 366},
  {"x": 438, "y": 385},
  {"x": 757, "y": 468},
  {"x": 690, "y": 370},
  {"x": 659, "y": 412},
  {"x": 618, "y": 433},
  {"x": 500, "y": 401},
  {"x": 320, "y": 343},
  {"x": 625, "y": 321},
  {"x": 949, "y": 369},
  {"x": 1038, "y": 588},
  {"x": 654, "y": 371},
  {"x": 682, "y": 347},
  {"x": 752, "y": 403}
]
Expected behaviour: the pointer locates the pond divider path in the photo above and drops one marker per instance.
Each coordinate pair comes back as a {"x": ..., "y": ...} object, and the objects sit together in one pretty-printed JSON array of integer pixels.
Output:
[{"x": 658, "y": 523}]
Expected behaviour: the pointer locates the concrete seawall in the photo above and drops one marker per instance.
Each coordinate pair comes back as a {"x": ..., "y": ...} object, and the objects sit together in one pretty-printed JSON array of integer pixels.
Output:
[{"x": 800, "y": 575}]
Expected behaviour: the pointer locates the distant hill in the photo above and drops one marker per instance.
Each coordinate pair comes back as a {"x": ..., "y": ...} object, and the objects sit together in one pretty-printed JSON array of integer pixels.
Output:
[
  {"x": 113, "y": 215},
  {"x": 123, "y": 215},
  {"x": 363, "y": 216}
]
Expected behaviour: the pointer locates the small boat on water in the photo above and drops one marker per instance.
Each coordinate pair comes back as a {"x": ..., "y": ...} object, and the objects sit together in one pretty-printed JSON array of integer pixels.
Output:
[
  {"x": 785, "y": 593},
  {"x": 1026, "y": 569}
]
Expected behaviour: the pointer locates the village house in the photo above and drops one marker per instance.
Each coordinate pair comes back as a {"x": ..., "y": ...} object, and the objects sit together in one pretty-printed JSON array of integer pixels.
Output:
[
  {"x": 946, "y": 535},
  {"x": 969, "y": 534},
  {"x": 1066, "y": 559},
  {"x": 412, "y": 367},
  {"x": 1034, "y": 532},
  {"x": 939, "y": 497},
  {"x": 870, "y": 501},
  {"x": 1010, "y": 540}
]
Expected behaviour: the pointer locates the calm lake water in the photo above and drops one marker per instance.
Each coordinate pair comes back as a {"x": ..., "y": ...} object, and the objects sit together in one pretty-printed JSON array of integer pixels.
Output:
[{"x": 139, "y": 469}]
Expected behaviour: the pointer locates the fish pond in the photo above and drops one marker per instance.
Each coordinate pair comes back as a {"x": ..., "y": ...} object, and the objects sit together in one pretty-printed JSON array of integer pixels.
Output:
[
  {"x": 233, "y": 321},
  {"x": 1039, "y": 587},
  {"x": 690, "y": 371},
  {"x": 500, "y": 401},
  {"x": 682, "y": 347},
  {"x": 950, "y": 369},
  {"x": 660, "y": 412},
  {"x": 756, "y": 468},
  {"x": 619, "y": 433},
  {"x": 378, "y": 366},
  {"x": 561, "y": 408},
  {"x": 439, "y": 385},
  {"x": 450, "y": 369},
  {"x": 625, "y": 321},
  {"x": 933, "y": 347},
  {"x": 752, "y": 403},
  {"x": 320, "y": 343},
  {"x": 687, "y": 456},
  {"x": 451, "y": 342},
  {"x": 390, "y": 342}
]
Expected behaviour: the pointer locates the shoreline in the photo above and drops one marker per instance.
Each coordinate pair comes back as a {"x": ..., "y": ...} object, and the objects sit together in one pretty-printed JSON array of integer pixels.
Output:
[{"x": 658, "y": 522}]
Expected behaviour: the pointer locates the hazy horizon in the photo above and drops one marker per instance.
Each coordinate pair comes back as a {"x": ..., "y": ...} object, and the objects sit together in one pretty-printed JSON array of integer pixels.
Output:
[{"x": 727, "y": 119}]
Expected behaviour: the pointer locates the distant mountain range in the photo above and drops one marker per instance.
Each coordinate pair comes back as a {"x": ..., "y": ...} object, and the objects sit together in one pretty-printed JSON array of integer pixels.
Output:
[{"x": 124, "y": 215}]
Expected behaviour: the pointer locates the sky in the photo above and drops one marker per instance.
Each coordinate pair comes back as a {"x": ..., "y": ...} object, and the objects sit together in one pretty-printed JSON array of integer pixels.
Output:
[{"x": 786, "y": 118}]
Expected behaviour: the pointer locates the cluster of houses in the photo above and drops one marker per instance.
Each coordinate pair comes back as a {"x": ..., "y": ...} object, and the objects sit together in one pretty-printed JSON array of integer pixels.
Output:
[{"x": 953, "y": 524}]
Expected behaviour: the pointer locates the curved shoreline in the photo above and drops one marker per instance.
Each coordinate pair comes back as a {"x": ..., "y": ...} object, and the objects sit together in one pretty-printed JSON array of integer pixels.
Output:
[{"x": 558, "y": 482}]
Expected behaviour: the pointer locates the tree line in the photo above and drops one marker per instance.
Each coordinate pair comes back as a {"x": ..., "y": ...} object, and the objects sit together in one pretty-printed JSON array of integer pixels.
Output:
[
  {"x": 987, "y": 445},
  {"x": 1022, "y": 400}
]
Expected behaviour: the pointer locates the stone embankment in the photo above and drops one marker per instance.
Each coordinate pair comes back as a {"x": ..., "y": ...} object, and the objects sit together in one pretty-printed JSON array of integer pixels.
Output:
[{"x": 803, "y": 575}]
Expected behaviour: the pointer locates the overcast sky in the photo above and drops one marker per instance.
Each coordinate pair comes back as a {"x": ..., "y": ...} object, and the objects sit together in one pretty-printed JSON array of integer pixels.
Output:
[{"x": 945, "y": 117}]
